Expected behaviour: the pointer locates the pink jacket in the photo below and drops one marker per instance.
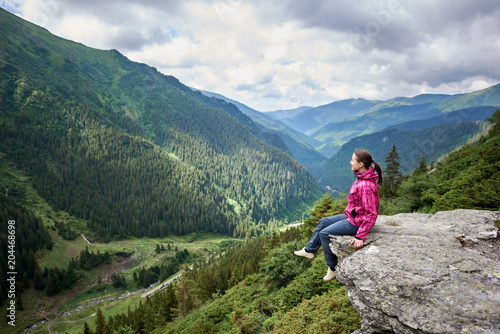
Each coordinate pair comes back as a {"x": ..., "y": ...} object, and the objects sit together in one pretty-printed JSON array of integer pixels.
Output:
[{"x": 363, "y": 202}]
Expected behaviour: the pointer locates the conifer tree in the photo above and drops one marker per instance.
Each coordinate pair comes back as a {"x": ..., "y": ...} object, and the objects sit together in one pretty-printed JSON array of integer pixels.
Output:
[
  {"x": 422, "y": 166},
  {"x": 184, "y": 293},
  {"x": 52, "y": 284},
  {"x": 170, "y": 304},
  {"x": 38, "y": 280},
  {"x": 100, "y": 323},
  {"x": 86, "y": 328},
  {"x": 392, "y": 174}
]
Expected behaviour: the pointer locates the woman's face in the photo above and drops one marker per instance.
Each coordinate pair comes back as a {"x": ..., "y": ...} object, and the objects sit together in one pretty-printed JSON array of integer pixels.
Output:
[{"x": 356, "y": 166}]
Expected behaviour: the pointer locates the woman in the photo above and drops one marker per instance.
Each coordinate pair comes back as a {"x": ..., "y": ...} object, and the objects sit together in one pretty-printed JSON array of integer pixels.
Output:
[{"x": 360, "y": 214}]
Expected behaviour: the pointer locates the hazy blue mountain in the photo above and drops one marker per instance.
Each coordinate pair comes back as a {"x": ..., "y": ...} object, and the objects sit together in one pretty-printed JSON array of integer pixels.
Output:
[
  {"x": 287, "y": 113},
  {"x": 336, "y": 123},
  {"x": 333, "y": 112},
  {"x": 341, "y": 132},
  {"x": 461, "y": 115}
]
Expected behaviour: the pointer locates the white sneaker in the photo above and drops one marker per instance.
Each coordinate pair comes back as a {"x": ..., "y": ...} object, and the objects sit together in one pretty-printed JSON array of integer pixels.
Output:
[
  {"x": 303, "y": 253},
  {"x": 330, "y": 274}
]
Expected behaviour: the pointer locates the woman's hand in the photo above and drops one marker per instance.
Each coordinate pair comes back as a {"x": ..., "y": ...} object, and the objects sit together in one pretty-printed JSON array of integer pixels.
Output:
[{"x": 357, "y": 243}]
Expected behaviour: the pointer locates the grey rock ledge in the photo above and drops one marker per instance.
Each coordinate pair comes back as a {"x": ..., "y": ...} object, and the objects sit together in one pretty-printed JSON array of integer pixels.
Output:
[{"x": 415, "y": 276}]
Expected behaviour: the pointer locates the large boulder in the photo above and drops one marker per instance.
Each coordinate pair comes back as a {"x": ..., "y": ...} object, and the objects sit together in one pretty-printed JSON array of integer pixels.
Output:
[{"x": 422, "y": 273}]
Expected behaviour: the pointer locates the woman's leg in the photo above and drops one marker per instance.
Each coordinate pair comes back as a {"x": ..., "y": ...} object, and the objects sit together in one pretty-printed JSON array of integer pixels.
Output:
[
  {"x": 315, "y": 242},
  {"x": 341, "y": 227}
]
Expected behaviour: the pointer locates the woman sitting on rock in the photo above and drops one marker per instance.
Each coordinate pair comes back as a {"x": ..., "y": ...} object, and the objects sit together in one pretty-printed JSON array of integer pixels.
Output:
[{"x": 360, "y": 214}]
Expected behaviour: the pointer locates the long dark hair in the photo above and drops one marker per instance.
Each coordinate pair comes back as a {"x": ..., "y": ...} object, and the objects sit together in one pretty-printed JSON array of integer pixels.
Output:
[{"x": 366, "y": 159}]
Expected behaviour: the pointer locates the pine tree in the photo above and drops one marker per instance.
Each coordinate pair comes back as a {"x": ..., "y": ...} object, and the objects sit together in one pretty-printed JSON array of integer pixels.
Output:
[
  {"x": 100, "y": 323},
  {"x": 184, "y": 293},
  {"x": 171, "y": 304},
  {"x": 422, "y": 166},
  {"x": 392, "y": 174},
  {"x": 38, "y": 280},
  {"x": 52, "y": 284},
  {"x": 86, "y": 329}
]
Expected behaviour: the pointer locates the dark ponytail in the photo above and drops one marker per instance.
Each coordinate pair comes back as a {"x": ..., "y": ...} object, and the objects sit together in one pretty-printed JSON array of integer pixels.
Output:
[
  {"x": 378, "y": 170},
  {"x": 366, "y": 159}
]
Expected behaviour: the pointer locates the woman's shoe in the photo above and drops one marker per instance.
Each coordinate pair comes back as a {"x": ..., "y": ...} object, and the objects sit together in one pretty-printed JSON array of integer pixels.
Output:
[
  {"x": 304, "y": 253},
  {"x": 330, "y": 274}
]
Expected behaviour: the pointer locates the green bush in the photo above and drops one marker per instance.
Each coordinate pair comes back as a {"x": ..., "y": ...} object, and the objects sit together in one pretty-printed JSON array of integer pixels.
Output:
[
  {"x": 327, "y": 313},
  {"x": 281, "y": 266}
]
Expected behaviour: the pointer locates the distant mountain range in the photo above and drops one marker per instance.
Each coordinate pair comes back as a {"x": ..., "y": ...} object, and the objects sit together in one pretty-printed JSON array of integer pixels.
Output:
[{"x": 330, "y": 129}]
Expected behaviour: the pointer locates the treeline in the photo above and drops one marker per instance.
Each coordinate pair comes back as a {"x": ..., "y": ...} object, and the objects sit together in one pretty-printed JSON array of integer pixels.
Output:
[
  {"x": 122, "y": 185},
  {"x": 30, "y": 236}
]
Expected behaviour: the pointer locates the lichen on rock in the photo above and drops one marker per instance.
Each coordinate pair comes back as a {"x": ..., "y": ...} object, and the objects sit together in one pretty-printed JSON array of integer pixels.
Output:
[{"x": 416, "y": 274}]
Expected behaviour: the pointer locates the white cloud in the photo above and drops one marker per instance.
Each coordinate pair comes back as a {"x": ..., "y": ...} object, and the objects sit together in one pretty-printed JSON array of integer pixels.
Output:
[{"x": 272, "y": 54}]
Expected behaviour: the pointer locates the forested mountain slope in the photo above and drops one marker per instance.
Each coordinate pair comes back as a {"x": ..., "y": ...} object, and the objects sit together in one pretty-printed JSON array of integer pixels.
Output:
[
  {"x": 469, "y": 178},
  {"x": 132, "y": 151},
  {"x": 301, "y": 146}
]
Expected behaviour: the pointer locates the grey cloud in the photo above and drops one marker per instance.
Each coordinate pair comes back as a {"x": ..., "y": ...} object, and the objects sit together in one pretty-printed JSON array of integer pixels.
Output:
[
  {"x": 97, "y": 6},
  {"x": 129, "y": 39},
  {"x": 132, "y": 31},
  {"x": 445, "y": 13},
  {"x": 390, "y": 25}
]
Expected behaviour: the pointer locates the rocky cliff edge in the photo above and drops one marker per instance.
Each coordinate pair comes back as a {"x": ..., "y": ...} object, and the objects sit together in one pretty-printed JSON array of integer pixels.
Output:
[{"x": 422, "y": 273}]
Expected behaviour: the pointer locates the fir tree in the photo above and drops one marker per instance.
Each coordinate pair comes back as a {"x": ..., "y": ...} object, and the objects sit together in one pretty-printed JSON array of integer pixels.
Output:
[
  {"x": 422, "y": 166},
  {"x": 38, "y": 280},
  {"x": 392, "y": 174},
  {"x": 86, "y": 329},
  {"x": 100, "y": 323},
  {"x": 184, "y": 293}
]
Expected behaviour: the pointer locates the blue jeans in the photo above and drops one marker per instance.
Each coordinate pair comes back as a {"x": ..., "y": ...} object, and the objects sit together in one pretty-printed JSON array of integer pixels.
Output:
[{"x": 335, "y": 225}]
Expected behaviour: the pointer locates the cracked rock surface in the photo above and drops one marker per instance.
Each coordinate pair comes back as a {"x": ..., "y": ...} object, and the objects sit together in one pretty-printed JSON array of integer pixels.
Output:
[{"x": 422, "y": 273}]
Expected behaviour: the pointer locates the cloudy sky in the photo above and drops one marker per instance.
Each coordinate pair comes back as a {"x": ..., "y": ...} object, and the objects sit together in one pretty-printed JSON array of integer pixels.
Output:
[{"x": 282, "y": 54}]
